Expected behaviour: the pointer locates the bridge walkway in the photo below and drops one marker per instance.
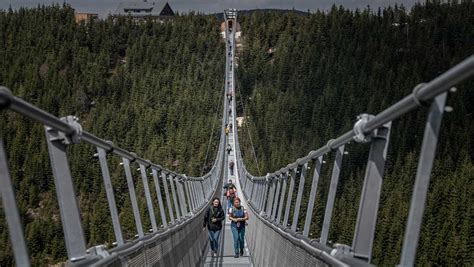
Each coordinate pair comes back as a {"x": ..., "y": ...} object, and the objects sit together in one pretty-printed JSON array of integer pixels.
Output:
[{"x": 225, "y": 255}]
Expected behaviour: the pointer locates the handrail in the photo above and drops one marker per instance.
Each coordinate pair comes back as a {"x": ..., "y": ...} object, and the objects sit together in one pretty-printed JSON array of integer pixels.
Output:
[
  {"x": 426, "y": 92},
  {"x": 266, "y": 194},
  {"x": 185, "y": 196}
]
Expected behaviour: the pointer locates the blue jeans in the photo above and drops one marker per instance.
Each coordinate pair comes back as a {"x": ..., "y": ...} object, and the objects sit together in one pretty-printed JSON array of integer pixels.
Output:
[
  {"x": 229, "y": 205},
  {"x": 214, "y": 239},
  {"x": 238, "y": 234}
]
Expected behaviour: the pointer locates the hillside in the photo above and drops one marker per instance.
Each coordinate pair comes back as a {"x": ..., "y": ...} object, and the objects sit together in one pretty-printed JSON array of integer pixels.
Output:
[
  {"x": 327, "y": 68},
  {"x": 152, "y": 88}
]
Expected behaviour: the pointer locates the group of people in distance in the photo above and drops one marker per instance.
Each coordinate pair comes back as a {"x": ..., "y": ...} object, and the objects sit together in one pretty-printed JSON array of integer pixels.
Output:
[{"x": 237, "y": 215}]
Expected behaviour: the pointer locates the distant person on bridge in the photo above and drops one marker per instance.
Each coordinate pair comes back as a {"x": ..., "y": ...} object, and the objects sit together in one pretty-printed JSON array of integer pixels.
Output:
[
  {"x": 238, "y": 215},
  {"x": 213, "y": 221},
  {"x": 227, "y": 186},
  {"x": 231, "y": 195},
  {"x": 226, "y": 130},
  {"x": 231, "y": 167},
  {"x": 229, "y": 148}
]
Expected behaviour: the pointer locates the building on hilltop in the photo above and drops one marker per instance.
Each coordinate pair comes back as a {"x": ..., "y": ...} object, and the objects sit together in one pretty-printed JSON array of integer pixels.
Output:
[
  {"x": 159, "y": 10},
  {"x": 85, "y": 17}
]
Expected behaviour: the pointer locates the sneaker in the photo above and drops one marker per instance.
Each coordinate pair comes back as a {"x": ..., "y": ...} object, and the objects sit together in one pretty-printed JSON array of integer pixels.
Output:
[
  {"x": 241, "y": 252},
  {"x": 236, "y": 255}
]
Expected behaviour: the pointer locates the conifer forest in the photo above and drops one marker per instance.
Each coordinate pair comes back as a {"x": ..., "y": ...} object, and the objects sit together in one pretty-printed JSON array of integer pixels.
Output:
[{"x": 156, "y": 88}]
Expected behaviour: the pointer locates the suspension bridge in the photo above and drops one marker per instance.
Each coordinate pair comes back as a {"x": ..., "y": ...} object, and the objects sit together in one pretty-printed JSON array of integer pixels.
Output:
[{"x": 273, "y": 237}]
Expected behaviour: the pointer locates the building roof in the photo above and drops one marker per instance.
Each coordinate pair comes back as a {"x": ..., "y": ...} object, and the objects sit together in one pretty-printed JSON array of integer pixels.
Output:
[{"x": 143, "y": 9}]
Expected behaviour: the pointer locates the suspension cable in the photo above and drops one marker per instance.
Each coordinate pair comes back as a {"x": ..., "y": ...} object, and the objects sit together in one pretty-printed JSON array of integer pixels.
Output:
[
  {"x": 212, "y": 134},
  {"x": 248, "y": 128}
]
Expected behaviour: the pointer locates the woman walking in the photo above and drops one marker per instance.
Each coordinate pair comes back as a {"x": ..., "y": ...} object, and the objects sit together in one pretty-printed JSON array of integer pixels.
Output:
[
  {"x": 213, "y": 221},
  {"x": 238, "y": 215}
]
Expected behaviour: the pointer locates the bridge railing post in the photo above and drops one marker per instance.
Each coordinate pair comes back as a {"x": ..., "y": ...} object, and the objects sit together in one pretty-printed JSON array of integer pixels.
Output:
[
  {"x": 282, "y": 197},
  {"x": 312, "y": 195},
  {"x": 277, "y": 196},
  {"x": 369, "y": 201},
  {"x": 271, "y": 193},
  {"x": 133, "y": 197},
  {"x": 10, "y": 210},
  {"x": 290, "y": 176},
  {"x": 331, "y": 195},
  {"x": 167, "y": 195},
  {"x": 182, "y": 199},
  {"x": 68, "y": 207},
  {"x": 149, "y": 203},
  {"x": 189, "y": 196},
  {"x": 252, "y": 187},
  {"x": 173, "y": 194},
  {"x": 263, "y": 195},
  {"x": 299, "y": 196},
  {"x": 422, "y": 180},
  {"x": 164, "y": 221},
  {"x": 109, "y": 190}
]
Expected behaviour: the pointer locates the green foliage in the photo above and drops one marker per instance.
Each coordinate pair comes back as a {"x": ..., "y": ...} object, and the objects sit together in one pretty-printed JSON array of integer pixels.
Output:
[
  {"x": 151, "y": 87},
  {"x": 328, "y": 67}
]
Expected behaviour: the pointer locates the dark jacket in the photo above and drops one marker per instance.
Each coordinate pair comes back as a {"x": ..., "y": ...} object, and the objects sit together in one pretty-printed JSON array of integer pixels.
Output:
[
  {"x": 228, "y": 185},
  {"x": 217, "y": 213}
]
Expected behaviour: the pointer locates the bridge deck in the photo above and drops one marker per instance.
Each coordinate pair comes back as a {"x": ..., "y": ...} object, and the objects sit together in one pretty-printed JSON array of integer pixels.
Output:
[{"x": 225, "y": 255}]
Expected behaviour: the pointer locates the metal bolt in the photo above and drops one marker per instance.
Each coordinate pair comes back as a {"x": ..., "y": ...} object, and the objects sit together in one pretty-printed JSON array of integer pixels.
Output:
[
  {"x": 448, "y": 109},
  {"x": 121, "y": 163},
  {"x": 346, "y": 153},
  {"x": 453, "y": 89}
]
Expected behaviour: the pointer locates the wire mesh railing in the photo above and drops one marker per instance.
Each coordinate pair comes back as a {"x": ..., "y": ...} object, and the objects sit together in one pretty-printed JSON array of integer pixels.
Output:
[
  {"x": 272, "y": 196},
  {"x": 183, "y": 197}
]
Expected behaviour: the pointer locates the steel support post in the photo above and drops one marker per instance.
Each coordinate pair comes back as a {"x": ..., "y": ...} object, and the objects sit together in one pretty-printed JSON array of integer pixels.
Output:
[
  {"x": 12, "y": 215},
  {"x": 369, "y": 201},
  {"x": 109, "y": 190},
  {"x": 167, "y": 195},
  {"x": 203, "y": 199},
  {"x": 173, "y": 194},
  {"x": 252, "y": 198},
  {"x": 164, "y": 221},
  {"x": 422, "y": 180},
  {"x": 266, "y": 195},
  {"x": 189, "y": 196},
  {"x": 182, "y": 199},
  {"x": 271, "y": 194},
  {"x": 68, "y": 208},
  {"x": 288, "y": 199},
  {"x": 194, "y": 193},
  {"x": 262, "y": 195},
  {"x": 276, "y": 198},
  {"x": 296, "y": 212},
  {"x": 149, "y": 204},
  {"x": 331, "y": 195},
  {"x": 133, "y": 197},
  {"x": 282, "y": 197},
  {"x": 312, "y": 195}
]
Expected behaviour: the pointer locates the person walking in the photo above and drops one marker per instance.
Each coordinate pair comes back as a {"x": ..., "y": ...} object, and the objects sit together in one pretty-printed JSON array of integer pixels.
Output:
[
  {"x": 238, "y": 216},
  {"x": 227, "y": 186},
  {"x": 231, "y": 167},
  {"x": 231, "y": 195},
  {"x": 213, "y": 222},
  {"x": 229, "y": 148}
]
